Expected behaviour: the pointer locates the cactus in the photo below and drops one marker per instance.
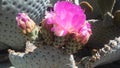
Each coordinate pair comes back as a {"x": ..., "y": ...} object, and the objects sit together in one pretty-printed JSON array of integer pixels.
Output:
[
  {"x": 9, "y": 33},
  {"x": 3, "y": 46},
  {"x": 103, "y": 30},
  {"x": 116, "y": 6},
  {"x": 117, "y": 18},
  {"x": 46, "y": 50},
  {"x": 46, "y": 33},
  {"x": 96, "y": 13},
  {"x": 99, "y": 7},
  {"x": 106, "y": 5},
  {"x": 87, "y": 7},
  {"x": 103, "y": 55},
  {"x": 41, "y": 57},
  {"x": 36, "y": 49}
]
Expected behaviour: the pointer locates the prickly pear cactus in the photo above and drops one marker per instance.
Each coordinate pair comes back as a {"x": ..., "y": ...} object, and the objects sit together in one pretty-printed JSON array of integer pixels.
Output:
[
  {"x": 41, "y": 57},
  {"x": 106, "y": 5},
  {"x": 116, "y": 6},
  {"x": 96, "y": 11},
  {"x": 9, "y": 32},
  {"x": 107, "y": 54},
  {"x": 99, "y": 7},
  {"x": 117, "y": 18},
  {"x": 87, "y": 7},
  {"x": 104, "y": 30},
  {"x": 3, "y": 46}
]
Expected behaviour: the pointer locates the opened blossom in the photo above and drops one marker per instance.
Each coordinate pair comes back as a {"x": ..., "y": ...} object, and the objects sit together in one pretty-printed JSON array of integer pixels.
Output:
[
  {"x": 25, "y": 23},
  {"x": 68, "y": 18}
]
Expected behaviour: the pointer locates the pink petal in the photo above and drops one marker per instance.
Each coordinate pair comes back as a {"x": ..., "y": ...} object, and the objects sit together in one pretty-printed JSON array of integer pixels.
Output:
[{"x": 59, "y": 31}]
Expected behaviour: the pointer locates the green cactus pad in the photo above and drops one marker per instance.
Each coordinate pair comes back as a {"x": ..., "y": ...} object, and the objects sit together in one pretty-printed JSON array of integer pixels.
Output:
[
  {"x": 34, "y": 34},
  {"x": 87, "y": 7},
  {"x": 106, "y": 5},
  {"x": 9, "y": 32},
  {"x": 102, "y": 32},
  {"x": 72, "y": 46},
  {"x": 96, "y": 13},
  {"x": 59, "y": 42},
  {"x": 67, "y": 43},
  {"x": 117, "y": 18},
  {"x": 107, "y": 54},
  {"x": 41, "y": 57},
  {"x": 47, "y": 36}
]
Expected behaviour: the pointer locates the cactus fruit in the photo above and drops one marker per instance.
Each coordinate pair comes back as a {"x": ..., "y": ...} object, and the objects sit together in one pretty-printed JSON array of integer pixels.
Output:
[
  {"x": 72, "y": 46},
  {"x": 67, "y": 44},
  {"x": 9, "y": 33},
  {"x": 46, "y": 34},
  {"x": 59, "y": 42},
  {"x": 103, "y": 55},
  {"x": 41, "y": 57}
]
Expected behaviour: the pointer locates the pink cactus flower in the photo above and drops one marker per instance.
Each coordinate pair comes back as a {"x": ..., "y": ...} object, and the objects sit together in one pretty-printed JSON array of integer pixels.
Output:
[
  {"x": 25, "y": 23},
  {"x": 68, "y": 18},
  {"x": 84, "y": 33},
  {"x": 65, "y": 0}
]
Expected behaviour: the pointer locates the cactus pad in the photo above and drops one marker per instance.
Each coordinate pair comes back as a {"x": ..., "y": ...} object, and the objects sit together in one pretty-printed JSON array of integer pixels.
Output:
[
  {"x": 9, "y": 33},
  {"x": 41, "y": 57}
]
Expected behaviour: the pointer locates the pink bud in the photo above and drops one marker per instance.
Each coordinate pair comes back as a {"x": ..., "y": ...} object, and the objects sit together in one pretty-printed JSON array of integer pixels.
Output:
[{"x": 24, "y": 22}]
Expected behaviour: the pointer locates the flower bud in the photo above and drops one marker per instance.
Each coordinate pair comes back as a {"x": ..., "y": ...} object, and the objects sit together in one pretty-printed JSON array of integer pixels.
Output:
[{"x": 25, "y": 23}]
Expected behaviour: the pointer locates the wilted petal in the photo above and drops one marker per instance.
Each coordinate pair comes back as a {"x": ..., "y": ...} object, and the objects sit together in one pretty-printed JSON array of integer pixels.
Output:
[{"x": 85, "y": 33}]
